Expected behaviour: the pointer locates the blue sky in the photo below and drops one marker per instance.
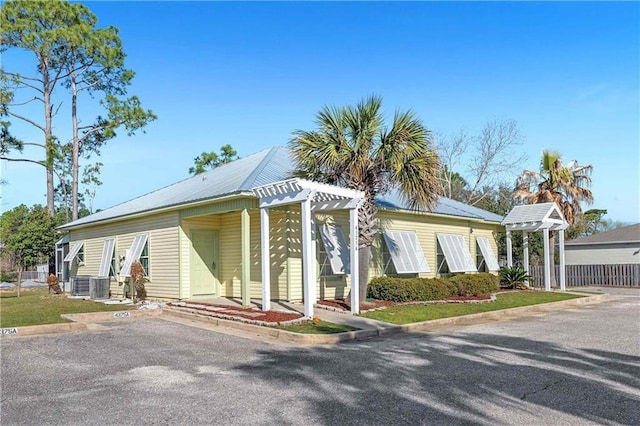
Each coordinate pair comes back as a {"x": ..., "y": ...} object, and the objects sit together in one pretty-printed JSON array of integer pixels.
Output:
[{"x": 249, "y": 74}]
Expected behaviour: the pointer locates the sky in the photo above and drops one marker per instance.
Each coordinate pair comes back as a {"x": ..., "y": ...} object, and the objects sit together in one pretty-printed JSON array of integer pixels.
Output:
[{"x": 250, "y": 73}]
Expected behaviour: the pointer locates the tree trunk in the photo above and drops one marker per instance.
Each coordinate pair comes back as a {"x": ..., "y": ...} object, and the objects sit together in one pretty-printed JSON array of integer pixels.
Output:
[
  {"x": 75, "y": 150},
  {"x": 19, "y": 280},
  {"x": 48, "y": 139},
  {"x": 364, "y": 257}
]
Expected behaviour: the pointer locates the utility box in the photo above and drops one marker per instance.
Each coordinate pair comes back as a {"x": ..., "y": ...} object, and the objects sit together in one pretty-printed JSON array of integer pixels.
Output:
[{"x": 99, "y": 287}]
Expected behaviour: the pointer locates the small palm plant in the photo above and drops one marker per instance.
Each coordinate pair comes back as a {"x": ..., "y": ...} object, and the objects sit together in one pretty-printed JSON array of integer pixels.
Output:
[{"x": 514, "y": 277}]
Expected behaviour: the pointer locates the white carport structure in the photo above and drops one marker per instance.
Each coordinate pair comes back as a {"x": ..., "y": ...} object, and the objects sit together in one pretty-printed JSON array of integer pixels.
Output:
[
  {"x": 313, "y": 197},
  {"x": 543, "y": 217}
]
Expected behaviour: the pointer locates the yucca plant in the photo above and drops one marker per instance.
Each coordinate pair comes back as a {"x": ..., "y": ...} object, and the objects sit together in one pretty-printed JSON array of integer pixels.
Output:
[{"x": 514, "y": 277}]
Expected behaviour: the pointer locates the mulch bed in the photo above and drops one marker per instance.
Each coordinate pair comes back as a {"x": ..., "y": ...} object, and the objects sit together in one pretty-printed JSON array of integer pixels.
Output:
[
  {"x": 345, "y": 305},
  {"x": 364, "y": 306},
  {"x": 254, "y": 314}
]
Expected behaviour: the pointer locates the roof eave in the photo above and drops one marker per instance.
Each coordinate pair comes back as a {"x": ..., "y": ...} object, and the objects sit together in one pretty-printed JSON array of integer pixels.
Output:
[{"x": 237, "y": 194}]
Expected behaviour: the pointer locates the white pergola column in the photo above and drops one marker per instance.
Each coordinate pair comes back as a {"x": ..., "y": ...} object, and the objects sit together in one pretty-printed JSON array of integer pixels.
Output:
[
  {"x": 547, "y": 262},
  {"x": 355, "y": 276},
  {"x": 312, "y": 224},
  {"x": 509, "y": 250},
  {"x": 563, "y": 285},
  {"x": 245, "y": 273},
  {"x": 525, "y": 247},
  {"x": 266, "y": 258},
  {"x": 308, "y": 263}
]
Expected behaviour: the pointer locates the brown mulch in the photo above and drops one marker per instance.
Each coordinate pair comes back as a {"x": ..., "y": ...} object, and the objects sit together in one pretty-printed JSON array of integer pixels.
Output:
[
  {"x": 479, "y": 297},
  {"x": 346, "y": 305},
  {"x": 240, "y": 312}
]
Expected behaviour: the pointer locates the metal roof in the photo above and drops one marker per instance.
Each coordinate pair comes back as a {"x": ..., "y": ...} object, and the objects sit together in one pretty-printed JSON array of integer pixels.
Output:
[
  {"x": 444, "y": 206},
  {"x": 241, "y": 176},
  {"x": 533, "y": 217},
  {"x": 625, "y": 234}
]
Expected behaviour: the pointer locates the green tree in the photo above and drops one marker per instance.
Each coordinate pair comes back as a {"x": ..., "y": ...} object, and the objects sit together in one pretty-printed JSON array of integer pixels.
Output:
[
  {"x": 28, "y": 25},
  {"x": 69, "y": 51},
  {"x": 566, "y": 185},
  {"x": 211, "y": 160},
  {"x": 352, "y": 147},
  {"x": 29, "y": 234}
]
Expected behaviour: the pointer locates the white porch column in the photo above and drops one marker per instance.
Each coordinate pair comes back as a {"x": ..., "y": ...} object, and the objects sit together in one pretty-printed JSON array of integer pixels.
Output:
[
  {"x": 312, "y": 224},
  {"x": 509, "y": 250},
  {"x": 563, "y": 284},
  {"x": 266, "y": 258},
  {"x": 355, "y": 276},
  {"x": 525, "y": 247},
  {"x": 245, "y": 273},
  {"x": 547, "y": 263},
  {"x": 308, "y": 263}
]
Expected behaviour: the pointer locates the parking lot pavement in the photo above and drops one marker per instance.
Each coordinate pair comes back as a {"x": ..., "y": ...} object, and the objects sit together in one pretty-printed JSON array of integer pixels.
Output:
[{"x": 578, "y": 366}]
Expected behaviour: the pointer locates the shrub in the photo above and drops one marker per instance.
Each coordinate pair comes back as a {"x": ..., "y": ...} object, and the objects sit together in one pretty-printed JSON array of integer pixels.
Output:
[
  {"x": 475, "y": 284},
  {"x": 513, "y": 277},
  {"x": 410, "y": 289},
  {"x": 10, "y": 277}
]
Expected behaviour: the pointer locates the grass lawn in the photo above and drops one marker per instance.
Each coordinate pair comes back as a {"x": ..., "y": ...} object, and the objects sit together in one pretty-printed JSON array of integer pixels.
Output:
[
  {"x": 323, "y": 327},
  {"x": 39, "y": 307},
  {"x": 415, "y": 313}
]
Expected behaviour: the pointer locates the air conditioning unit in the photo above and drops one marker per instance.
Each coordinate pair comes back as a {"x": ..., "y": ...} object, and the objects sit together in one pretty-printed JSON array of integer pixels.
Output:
[
  {"x": 80, "y": 285},
  {"x": 99, "y": 287}
]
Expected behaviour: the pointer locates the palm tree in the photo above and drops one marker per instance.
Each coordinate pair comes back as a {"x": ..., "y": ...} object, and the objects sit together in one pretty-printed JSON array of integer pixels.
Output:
[
  {"x": 565, "y": 185},
  {"x": 353, "y": 148}
]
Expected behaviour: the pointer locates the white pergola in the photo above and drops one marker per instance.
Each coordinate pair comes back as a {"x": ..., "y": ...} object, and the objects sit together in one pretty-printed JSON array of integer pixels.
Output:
[
  {"x": 543, "y": 217},
  {"x": 313, "y": 197}
]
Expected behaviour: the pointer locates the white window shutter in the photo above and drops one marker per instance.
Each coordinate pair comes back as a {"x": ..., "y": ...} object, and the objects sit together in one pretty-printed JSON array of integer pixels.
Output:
[
  {"x": 107, "y": 254},
  {"x": 406, "y": 252},
  {"x": 336, "y": 248},
  {"x": 73, "y": 252},
  {"x": 134, "y": 254},
  {"x": 487, "y": 253},
  {"x": 456, "y": 253}
]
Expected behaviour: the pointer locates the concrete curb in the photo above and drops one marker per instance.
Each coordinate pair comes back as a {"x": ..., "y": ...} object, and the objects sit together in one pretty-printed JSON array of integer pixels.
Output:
[
  {"x": 98, "y": 317},
  {"x": 387, "y": 329},
  {"x": 31, "y": 330}
]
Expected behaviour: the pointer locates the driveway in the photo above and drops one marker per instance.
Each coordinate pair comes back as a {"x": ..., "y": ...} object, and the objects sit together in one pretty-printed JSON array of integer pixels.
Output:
[{"x": 579, "y": 366}]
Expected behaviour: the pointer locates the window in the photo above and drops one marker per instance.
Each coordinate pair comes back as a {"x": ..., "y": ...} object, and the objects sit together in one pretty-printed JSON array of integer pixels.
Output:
[
  {"x": 402, "y": 253},
  {"x": 333, "y": 253},
  {"x": 77, "y": 251},
  {"x": 107, "y": 255},
  {"x": 452, "y": 251},
  {"x": 484, "y": 251},
  {"x": 135, "y": 252},
  {"x": 144, "y": 259},
  {"x": 112, "y": 269}
]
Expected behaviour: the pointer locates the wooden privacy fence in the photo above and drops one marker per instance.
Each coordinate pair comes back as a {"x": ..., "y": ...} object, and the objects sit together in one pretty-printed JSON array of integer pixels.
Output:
[{"x": 601, "y": 275}]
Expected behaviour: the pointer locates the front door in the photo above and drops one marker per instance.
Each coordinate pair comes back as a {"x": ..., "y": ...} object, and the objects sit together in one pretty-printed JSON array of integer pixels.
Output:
[{"x": 204, "y": 262}]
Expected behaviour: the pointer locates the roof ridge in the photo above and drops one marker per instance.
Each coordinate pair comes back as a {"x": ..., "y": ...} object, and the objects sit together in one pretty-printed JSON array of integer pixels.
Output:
[{"x": 261, "y": 166}]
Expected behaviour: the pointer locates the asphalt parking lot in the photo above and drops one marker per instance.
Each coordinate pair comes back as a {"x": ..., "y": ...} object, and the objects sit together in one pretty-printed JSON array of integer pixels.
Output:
[{"x": 578, "y": 366}]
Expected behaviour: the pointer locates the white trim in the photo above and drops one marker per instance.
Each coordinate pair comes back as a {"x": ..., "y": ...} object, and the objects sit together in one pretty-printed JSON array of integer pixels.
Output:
[{"x": 456, "y": 253}]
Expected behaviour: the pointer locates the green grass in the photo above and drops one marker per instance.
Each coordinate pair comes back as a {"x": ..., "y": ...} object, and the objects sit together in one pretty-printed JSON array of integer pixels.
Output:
[
  {"x": 322, "y": 327},
  {"x": 37, "y": 306},
  {"x": 415, "y": 313}
]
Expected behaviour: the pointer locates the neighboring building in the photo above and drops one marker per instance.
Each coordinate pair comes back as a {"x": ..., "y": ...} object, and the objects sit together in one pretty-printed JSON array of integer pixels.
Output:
[
  {"x": 619, "y": 246},
  {"x": 201, "y": 237}
]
